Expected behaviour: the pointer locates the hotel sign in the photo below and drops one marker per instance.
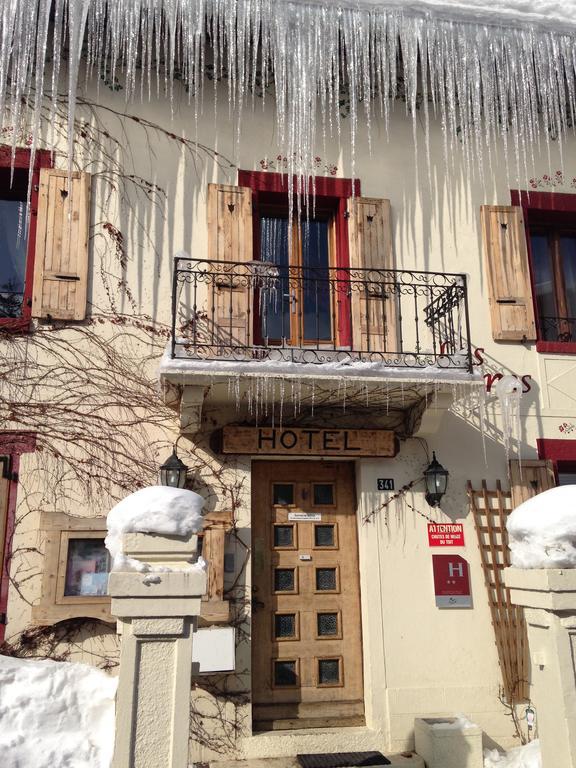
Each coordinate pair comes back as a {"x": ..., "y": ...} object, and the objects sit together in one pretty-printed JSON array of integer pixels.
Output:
[{"x": 295, "y": 441}]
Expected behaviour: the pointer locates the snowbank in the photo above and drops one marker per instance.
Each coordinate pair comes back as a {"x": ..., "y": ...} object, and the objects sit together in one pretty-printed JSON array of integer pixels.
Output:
[
  {"x": 542, "y": 530},
  {"x": 459, "y": 723},
  {"x": 156, "y": 509},
  {"x": 55, "y": 715},
  {"x": 528, "y": 756}
]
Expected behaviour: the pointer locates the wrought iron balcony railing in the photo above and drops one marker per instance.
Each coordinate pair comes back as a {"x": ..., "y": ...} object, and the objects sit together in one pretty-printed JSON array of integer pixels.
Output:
[
  {"x": 224, "y": 310},
  {"x": 561, "y": 329}
]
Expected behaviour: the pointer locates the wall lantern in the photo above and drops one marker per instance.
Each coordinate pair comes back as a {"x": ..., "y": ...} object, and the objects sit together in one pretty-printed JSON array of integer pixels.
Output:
[
  {"x": 436, "y": 478},
  {"x": 173, "y": 471}
]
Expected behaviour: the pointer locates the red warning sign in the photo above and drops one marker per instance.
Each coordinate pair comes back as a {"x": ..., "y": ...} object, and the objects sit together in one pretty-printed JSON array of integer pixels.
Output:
[{"x": 445, "y": 535}]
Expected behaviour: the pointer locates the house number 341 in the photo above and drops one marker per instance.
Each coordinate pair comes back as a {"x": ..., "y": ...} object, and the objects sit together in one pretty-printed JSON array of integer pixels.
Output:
[{"x": 385, "y": 484}]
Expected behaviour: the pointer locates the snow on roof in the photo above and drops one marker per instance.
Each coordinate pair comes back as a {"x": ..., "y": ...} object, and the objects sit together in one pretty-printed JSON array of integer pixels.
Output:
[
  {"x": 156, "y": 509},
  {"x": 558, "y": 13},
  {"x": 55, "y": 714},
  {"x": 542, "y": 530},
  {"x": 339, "y": 369}
]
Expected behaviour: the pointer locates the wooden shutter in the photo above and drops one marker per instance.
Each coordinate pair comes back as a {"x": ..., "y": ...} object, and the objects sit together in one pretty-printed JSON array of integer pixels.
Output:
[
  {"x": 528, "y": 478},
  {"x": 61, "y": 260},
  {"x": 373, "y": 303},
  {"x": 230, "y": 239},
  {"x": 508, "y": 272}
]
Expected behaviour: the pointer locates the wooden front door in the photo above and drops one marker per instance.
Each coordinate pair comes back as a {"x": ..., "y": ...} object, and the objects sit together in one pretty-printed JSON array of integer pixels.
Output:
[{"x": 306, "y": 632}]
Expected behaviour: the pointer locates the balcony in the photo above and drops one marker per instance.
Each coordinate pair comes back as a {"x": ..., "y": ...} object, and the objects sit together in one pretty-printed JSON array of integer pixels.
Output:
[
  {"x": 377, "y": 346},
  {"x": 257, "y": 311}
]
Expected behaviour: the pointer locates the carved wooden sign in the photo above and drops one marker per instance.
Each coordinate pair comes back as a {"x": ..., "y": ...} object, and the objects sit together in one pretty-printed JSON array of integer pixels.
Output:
[{"x": 295, "y": 441}]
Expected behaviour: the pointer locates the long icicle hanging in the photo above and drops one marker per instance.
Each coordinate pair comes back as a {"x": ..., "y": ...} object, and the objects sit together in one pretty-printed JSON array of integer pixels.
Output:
[{"x": 485, "y": 82}]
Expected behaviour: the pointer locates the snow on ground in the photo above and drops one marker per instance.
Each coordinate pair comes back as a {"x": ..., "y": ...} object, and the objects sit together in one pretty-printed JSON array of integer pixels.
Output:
[
  {"x": 55, "y": 715},
  {"x": 542, "y": 530},
  {"x": 527, "y": 756},
  {"x": 156, "y": 509}
]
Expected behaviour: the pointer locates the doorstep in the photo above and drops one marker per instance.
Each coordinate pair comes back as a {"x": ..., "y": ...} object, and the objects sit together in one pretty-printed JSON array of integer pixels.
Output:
[{"x": 399, "y": 760}]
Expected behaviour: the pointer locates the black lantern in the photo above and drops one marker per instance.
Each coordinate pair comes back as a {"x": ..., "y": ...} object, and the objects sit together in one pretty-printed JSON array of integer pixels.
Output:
[
  {"x": 173, "y": 472},
  {"x": 436, "y": 478}
]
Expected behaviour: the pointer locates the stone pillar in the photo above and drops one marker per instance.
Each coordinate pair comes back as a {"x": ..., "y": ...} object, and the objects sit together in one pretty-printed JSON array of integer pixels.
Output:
[
  {"x": 549, "y": 600},
  {"x": 156, "y": 615}
]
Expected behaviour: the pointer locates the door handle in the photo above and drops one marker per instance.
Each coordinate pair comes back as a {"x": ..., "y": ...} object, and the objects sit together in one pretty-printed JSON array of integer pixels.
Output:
[{"x": 256, "y": 604}]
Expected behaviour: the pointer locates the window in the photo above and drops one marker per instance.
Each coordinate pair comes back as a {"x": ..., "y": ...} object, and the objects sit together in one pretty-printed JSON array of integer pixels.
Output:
[
  {"x": 553, "y": 252},
  {"x": 14, "y": 223},
  {"x": 87, "y": 568},
  {"x": 76, "y": 568},
  {"x": 17, "y": 234},
  {"x": 550, "y": 224},
  {"x": 301, "y": 308}
]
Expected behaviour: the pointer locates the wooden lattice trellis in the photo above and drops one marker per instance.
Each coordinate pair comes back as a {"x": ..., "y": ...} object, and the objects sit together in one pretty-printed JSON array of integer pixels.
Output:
[{"x": 490, "y": 509}]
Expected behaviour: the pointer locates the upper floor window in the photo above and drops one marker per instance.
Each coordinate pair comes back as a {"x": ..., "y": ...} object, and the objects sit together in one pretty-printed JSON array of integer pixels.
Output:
[
  {"x": 553, "y": 252},
  {"x": 530, "y": 250},
  {"x": 14, "y": 228}
]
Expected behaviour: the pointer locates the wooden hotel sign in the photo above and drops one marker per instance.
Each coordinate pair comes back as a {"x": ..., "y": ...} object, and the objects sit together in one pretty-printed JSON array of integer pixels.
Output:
[{"x": 294, "y": 441}]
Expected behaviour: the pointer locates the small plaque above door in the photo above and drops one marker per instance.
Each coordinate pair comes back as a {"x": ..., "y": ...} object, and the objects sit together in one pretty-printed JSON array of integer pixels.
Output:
[{"x": 304, "y": 516}]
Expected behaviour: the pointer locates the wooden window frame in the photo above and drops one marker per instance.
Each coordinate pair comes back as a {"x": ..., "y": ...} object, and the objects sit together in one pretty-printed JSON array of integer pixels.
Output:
[
  {"x": 57, "y": 529},
  {"x": 21, "y": 161},
  {"x": 545, "y": 210},
  {"x": 334, "y": 194}
]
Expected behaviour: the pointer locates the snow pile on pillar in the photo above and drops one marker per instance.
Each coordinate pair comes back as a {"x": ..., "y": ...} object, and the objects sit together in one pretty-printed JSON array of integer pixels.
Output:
[
  {"x": 55, "y": 714},
  {"x": 542, "y": 530},
  {"x": 156, "y": 509},
  {"x": 527, "y": 756}
]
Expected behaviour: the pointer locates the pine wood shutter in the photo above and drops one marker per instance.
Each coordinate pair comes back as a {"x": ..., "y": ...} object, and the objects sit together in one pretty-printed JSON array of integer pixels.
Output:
[
  {"x": 61, "y": 259},
  {"x": 508, "y": 272},
  {"x": 373, "y": 304},
  {"x": 230, "y": 239},
  {"x": 531, "y": 478}
]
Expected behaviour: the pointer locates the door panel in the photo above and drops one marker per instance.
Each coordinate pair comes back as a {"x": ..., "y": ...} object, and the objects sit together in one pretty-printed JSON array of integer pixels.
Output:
[
  {"x": 306, "y": 632},
  {"x": 297, "y": 309}
]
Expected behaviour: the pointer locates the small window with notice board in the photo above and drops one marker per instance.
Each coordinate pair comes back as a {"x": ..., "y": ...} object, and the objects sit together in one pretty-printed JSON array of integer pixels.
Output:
[
  {"x": 76, "y": 568},
  {"x": 77, "y": 564}
]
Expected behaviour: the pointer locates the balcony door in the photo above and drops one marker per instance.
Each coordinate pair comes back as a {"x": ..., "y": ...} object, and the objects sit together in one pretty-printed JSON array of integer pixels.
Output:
[{"x": 297, "y": 305}]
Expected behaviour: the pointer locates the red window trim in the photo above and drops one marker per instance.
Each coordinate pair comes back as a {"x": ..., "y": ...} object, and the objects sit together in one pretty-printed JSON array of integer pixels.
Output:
[
  {"x": 12, "y": 444},
  {"x": 556, "y": 450},
  {"x": 338, "y": 191},
  {"x": 556, "y": 202},
  {"x": 42, "y": 159}
]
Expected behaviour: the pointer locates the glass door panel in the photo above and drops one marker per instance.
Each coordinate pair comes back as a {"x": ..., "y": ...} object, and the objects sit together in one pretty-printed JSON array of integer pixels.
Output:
[
  {"x": 275, "y": 298},
  {"x": 295, "y": 306},
  {"x": 316, "y": 313}
]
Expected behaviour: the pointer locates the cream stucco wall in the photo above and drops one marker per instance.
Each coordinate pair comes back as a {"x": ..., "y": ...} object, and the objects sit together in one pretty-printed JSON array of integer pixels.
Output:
[{"x": 418, "y": 660}]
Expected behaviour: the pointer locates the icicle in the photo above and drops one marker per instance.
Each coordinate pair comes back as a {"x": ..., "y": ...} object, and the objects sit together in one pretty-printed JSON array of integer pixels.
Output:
[
  {"x": 513, "y": 84},
  {"x": 509, "y": 392}
]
